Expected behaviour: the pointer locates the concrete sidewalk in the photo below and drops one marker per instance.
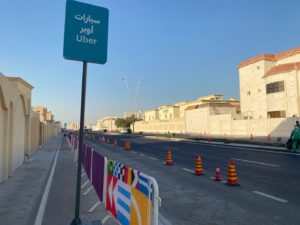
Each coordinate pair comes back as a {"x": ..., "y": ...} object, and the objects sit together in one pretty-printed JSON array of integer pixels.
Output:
[{"x": 21, "y": 195}]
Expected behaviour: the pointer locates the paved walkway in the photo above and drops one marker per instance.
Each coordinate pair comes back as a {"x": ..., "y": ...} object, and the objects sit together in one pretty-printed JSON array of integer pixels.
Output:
[{"x": 22, "y": 194}]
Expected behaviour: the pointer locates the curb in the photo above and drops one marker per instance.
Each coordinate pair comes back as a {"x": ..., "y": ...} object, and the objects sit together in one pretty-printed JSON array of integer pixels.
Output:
[{"x": 272, "y": 148}]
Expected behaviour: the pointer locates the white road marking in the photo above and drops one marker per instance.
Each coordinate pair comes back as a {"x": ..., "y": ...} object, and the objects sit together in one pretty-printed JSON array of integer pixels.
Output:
[
  {"x": 103, "y": 221},
  {"x": 188, "y": 170},
  {"x": 94, "y": 207},
  {"x": 82, "y": 186},
  {"x": 271, "y": 197},
  {"x": 133, "y": 152},
  {"x": 88, "y": 190},
  {"x": 261, "y": 163},
  {"x": 163, "y": 221},
  {"x": 142, "y": 155},
  {"x": 153, "y": 158},
  {"x": 211, "y": 178},
  {"x": 41, "y": 211}
]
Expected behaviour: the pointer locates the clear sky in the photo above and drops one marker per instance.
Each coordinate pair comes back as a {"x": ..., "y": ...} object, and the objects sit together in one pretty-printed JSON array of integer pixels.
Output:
[{"x": 182, "y": 48}]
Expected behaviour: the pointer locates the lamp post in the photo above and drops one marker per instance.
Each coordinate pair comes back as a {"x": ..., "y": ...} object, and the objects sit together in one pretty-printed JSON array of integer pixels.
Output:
[
  {"x": 132, "y": 103},
  {"x": 128, "y": 91},
  {"x": 137, "y": 93}
]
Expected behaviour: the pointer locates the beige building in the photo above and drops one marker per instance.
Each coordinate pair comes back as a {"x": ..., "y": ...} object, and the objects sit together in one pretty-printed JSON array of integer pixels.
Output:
[
  {"x": 107, "y": 123},
  {"x": 47, "y": 126},
  {"x": 185, "y": 104},
  {"x": 199, "y": 118},
  {"x": 15, "y": 113},
  {"x": 167, "y": 112},
  {"x": 269, "y": 85},
  {"x": 20, "y": 127},
  {"x": 73, "y": 126},
  {"x": 151, "y": 115},
  {"x": 172, "y": 118},
  {"x": 139, "y": 115}
]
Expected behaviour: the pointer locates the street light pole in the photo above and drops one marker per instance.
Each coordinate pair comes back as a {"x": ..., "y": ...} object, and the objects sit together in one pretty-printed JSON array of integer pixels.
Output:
[
  {"x": 137, "y": 93},
  {"x": 128, "y": 91}
]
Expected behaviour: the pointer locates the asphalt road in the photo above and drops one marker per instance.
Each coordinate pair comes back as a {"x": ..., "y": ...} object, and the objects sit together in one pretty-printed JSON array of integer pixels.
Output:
[{"x": 269, "y": 191}]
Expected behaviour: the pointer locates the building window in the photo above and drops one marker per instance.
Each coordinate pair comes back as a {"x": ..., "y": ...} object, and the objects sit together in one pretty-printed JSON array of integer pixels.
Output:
[
  {"x": 276, "y": 114},
  {"x": 275, "y": 87}
]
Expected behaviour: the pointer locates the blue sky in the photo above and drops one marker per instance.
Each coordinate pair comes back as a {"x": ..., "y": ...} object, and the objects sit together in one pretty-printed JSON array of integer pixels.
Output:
[{"x": 183, "y": 49}]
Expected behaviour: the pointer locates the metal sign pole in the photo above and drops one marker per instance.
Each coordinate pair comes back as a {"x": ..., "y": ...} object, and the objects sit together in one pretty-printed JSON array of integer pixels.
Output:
[{"x": 76, "y": 220}]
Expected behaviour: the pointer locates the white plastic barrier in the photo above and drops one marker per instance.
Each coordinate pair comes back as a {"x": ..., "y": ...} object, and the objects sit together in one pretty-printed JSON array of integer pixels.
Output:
[{"x": 131, "y": 196}]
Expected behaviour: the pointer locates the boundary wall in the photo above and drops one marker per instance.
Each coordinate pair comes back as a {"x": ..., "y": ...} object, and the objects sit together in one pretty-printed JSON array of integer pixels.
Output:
[
  {"x": 160, "y": 126},
  {"x": 21, "y": 132},
  {"x": 225, "y": 124}
]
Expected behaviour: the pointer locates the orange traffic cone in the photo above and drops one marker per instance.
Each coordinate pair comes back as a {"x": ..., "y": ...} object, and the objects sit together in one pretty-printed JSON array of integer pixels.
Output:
[
  {"x": 218, "y": 174},
  {"x": 232, "y": 176},
  {"x": 198, "y": 166},
  {"x": 115, "y": 142},
  {"x": 127, "y": 145},
  {"x": 169, "y": 160},
  {"x": 208, "y": 140},
  {"x": 100, "y": 139},
  {"x": 107, "y": 140},
  {"x": 225, "y": 136}
]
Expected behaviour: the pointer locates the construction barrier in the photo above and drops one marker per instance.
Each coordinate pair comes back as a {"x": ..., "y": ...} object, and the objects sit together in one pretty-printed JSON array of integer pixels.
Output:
[
  {"x": 169, "y": 159},
  {"x": 127, "y": 146},
  {"x": 232, "y": 179},
  {"x": 131, "y": 196},
  {"x": 198, "y": 166}
]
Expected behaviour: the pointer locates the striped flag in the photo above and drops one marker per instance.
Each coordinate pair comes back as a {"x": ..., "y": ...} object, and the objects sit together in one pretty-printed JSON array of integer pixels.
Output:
[
  {"x": 144, "y": 185},
  {"x": 123, "y": 203}
]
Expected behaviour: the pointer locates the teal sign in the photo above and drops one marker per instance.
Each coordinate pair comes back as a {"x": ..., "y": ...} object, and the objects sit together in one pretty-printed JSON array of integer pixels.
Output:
[{"x": 86, "y": 32}]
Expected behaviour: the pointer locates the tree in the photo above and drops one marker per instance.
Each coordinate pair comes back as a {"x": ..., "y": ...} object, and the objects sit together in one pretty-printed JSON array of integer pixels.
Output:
[
  {"x": 125, "y": 122},
  {"x": 121, "y": 122}
]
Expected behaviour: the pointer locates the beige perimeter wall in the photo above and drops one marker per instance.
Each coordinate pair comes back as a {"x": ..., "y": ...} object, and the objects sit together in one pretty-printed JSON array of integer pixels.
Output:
[
  {"x": 158, "y": 126},
  {"x": 20, "y": 129}
]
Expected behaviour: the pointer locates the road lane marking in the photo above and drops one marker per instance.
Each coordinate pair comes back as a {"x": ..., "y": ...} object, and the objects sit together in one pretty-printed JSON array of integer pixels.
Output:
[
  {"x": 82, "y": 186},
  {"x": 142, "y": 155},
  {"x": 94, "y": 207},
  {"x": 261, "y": 163},
  {"x": 153, "y": 158},
  {"x": 188, "y": 170},
  {"x": 163, "y": 221},
  {"x": 87, "y": 191},
  {"x": 133, "y": 152},
  {"x": 271, "y": 197},
  {"x": 41, "y": 211},
  {"x": 103, "y": 221}
]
